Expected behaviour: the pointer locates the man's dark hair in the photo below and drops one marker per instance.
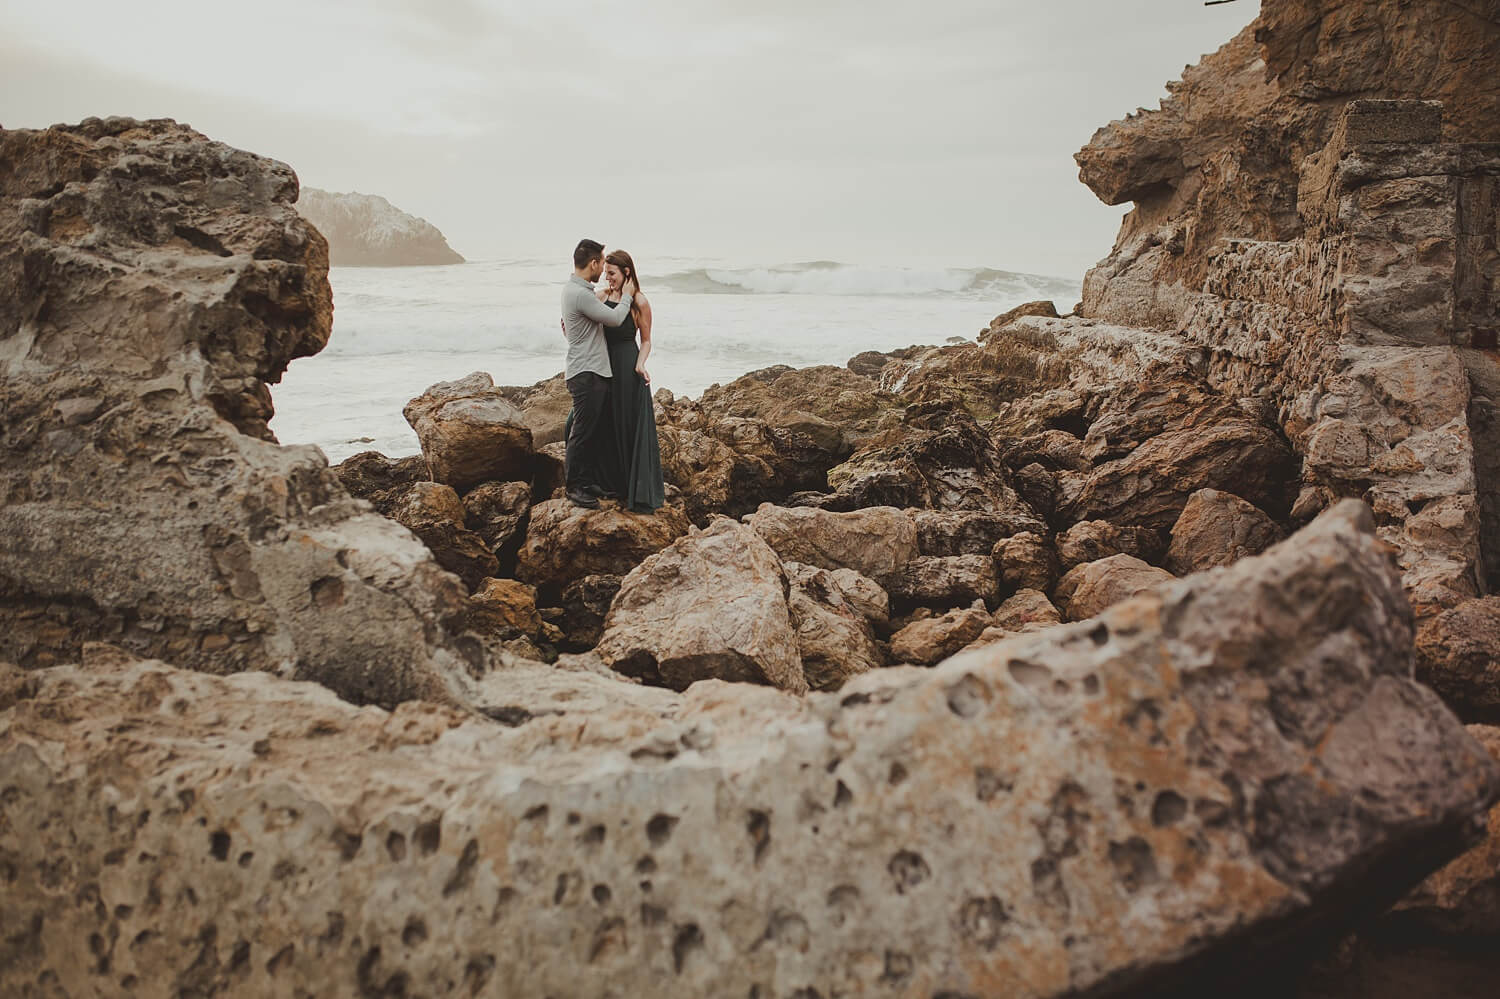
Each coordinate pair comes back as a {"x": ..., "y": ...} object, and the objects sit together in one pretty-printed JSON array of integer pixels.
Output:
[{"x": 588, "y": 251}]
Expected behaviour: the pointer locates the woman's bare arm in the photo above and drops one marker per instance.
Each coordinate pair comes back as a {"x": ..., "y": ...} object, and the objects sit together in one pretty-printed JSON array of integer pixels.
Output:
[{"x": 645, "y": 327}]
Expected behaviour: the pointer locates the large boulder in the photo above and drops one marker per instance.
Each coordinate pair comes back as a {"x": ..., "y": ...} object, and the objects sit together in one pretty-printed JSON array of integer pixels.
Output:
[
  {"x": 1141, "y": 804},
  {"x": 713, "y": 477},
  {"x": 1217, "y": 528},
  {"x": 566, "y": 542},
  {"x": 876, "y": 542},
  {"x": 1458, "y": 655},
  {"x": 1026, "y": 562},
  {"x": 1086, "y": 590},
  {"x": 711, "y": 605},
  {"x": 470, "y": 433},
  {"x": 152, "y": 283},
  {"x": 834, "y": 635},
  {"x": 544, "y": 408}
]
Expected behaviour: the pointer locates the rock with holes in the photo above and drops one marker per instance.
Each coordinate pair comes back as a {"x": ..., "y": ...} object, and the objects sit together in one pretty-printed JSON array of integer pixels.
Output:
[
  {"x": 1089, "y": 588},
  {"x": 834, "y": 635},
  {"x": 1458, "y": 655},
  {"x": 152, "y": 283},
  {"x": 470, "y": 433},
  {"x": 930, "y": 640},
  {"x": 876, "y": 542},
  {"x": 1149, "y": 797},
  {"x": 1216, "y": 528},
  {"x": 566, "y": 542},
  {"x": 711, "y": 605}
]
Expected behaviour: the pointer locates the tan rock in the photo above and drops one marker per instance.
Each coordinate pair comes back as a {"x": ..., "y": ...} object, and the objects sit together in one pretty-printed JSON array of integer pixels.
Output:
[
  {"x": 495, "y": 511},
  {"x": 544, "y": 408},
  {"x": 711, "y": 605},
  {"x": 1458, "y": 655},
  {"x": 946, "y": 581},
  {"x": 713, "y": 477},
  {"x": 470, "y": 433},
  {"x": 1217, "y": 528},
  {"x": 1086, "y": 590},
  {"x": 504, "y": 605},
  {"x": 537, "y": 826},
  {"x": 566, "y": 542},
  {"x": 968, "y": 532},
  {"x": 1092, "y": 540},
  {"x": 435, "y": 514},
  {"x": 834, "y": 637},
  {"x": 146, "y": 502},
  {"x": 931, "y": 640},
  {"x": 1026, "y": 561},
  {"x": 876, "y": 542},
  {"x": 1026, "y": 611}
]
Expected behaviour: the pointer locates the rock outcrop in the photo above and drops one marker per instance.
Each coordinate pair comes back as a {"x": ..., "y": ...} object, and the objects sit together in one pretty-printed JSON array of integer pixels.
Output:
[
  {"x": 152, "y": 282},
  {"x": 1155, "y": 799},
  {"x": 365, "y": 230}
]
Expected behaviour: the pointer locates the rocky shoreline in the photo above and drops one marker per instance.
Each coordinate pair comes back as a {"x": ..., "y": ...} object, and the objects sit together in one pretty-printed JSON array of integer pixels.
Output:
[{"x": 1142, "y": 650}]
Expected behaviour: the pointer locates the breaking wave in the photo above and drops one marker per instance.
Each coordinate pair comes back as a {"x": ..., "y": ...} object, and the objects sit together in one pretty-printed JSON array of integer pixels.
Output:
[{"x": 826, "y": 277}]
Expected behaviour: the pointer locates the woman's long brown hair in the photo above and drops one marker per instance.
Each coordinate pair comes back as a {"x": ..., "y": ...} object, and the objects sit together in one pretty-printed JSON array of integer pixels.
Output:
[{"x": 622, "y": 260}]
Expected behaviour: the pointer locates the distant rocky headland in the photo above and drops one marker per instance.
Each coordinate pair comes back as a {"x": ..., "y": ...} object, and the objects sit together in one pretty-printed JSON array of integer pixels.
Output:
[
  {"x": 1145, "y": 650},
  {"x": 365, "y": 230}
]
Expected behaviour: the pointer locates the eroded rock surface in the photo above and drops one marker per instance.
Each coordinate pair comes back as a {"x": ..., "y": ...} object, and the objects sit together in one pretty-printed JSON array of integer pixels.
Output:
[
  {"x": 471, "y": 433},
  {"x": 152, "y": 282},
  {"x": 1149, "y": 798}
]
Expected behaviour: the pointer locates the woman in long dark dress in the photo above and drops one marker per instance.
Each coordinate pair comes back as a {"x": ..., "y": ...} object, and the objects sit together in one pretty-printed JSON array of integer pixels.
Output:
[{"x": 634, "y": 464}]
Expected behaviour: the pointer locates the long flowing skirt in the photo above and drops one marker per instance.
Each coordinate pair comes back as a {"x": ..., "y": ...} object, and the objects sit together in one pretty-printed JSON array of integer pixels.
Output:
[{"x": 629, "y": 452}]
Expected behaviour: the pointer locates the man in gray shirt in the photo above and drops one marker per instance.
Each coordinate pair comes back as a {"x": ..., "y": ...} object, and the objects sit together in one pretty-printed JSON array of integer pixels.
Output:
[{"x": 587, "y": 371}]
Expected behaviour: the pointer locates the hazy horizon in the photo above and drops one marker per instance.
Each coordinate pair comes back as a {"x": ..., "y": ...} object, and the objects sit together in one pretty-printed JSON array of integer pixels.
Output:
[{"x": 876, "y": 133}]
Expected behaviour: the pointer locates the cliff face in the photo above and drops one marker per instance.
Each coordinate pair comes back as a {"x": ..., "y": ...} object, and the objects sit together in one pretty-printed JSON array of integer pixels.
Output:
[
  {"x": 365, "y": 230},
  {"x": 1221, "y": 156},
  {"x": 151, "y": 283}
]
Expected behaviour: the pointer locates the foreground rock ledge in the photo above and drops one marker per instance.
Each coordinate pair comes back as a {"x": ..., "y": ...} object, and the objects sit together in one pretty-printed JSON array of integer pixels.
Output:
[{"x": 1183, "y": 785}]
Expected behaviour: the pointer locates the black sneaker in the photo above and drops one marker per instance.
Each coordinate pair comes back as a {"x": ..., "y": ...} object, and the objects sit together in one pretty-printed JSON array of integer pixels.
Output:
[{"x": 583, "y": 499}]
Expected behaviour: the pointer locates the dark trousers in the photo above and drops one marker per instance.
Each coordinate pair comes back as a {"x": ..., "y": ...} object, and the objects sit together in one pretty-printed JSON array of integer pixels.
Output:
[{"x": 581, "y": 464}]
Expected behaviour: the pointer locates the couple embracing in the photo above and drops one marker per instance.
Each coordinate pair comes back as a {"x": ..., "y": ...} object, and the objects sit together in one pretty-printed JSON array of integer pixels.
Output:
[{"x": 612, "y": 450}]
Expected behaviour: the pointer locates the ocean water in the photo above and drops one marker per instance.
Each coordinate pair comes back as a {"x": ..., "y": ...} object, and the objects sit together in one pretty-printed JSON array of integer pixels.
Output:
[{"x": 398, "y": 330}]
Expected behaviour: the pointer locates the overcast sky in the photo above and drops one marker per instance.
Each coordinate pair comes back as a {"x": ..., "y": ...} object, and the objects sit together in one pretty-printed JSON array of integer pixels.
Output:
[{"x": 917, "y": 132}]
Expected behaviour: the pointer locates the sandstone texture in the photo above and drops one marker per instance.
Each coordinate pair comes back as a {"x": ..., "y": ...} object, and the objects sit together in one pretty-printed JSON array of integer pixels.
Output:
[
  {"x": 470, "y": 433},
  {"x": 365, "y": 230},
  {"x": 1217, "y": 528},
  {"x": 711, "y": 605},
  {"x": 152, "y": 282},
  {"x": 1145, "y": 800}
]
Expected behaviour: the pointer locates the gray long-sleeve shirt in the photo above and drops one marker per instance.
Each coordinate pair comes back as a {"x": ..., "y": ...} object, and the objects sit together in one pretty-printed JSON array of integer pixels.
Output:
[{"x": 584, "y": 319}]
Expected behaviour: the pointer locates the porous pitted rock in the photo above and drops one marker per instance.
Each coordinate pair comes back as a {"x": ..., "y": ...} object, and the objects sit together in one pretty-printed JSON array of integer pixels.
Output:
[
  {"x": 946, "y": 581},
  {"x": 585, "y": 604},
  {"x": 930, "y": 640},
  {"x": 496, "y": 512},
  {"x": 470, "y": 433},
  {"x": 968, "y": 532},
  {"x": 1086, "y": 590},
  {"x": 434, "y": 513},
  {"x": 566, "y": 542},
  {"x": 876, "y": 542},
  {"x": 152, "y": 282},
  {"x": 1092, "y": 540},
  {"x": 711, "y": 605},
  {"x": 1026, "y": 562},
  {"x": 1458, "y": 655},
  {"x": 834, "y": 637},
  {"x": 1151, "y": 798},
  {"x": 502, "y": 607},
  {"x": 1217, "y": 528}
]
